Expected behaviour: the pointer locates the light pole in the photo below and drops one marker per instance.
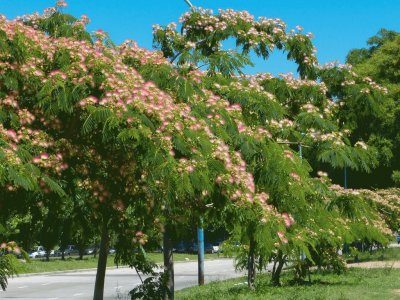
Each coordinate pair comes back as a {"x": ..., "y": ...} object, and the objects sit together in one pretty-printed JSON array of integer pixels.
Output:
[
  {"x": 299, "y": 143},
  {"x": 200, "y": 230},
  {"x": 301, "y": 146},
  {"x": 200, "y": 249},
  {"x": 189, "y": 3}
]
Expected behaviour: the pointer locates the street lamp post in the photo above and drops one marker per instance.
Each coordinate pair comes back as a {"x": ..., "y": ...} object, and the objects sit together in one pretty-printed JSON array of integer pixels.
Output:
[
  {"x": 200, "y": 249},
  {"x": 189, "y": 3},
  {"x": 299, "y": 143},
  {"x": 200, "y": 230}
]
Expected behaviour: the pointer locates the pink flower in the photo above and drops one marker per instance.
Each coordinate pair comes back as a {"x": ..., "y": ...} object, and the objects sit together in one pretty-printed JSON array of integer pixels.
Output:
[
  {"x": 288, "y": 154},
  {"x": 44, "y": 156},
  {"x": 241, "y": 127},
  {"x": 100, "y": 33},
  {"x": 61, "y": 3},
  {"x": 288, "y": 219},
  {"x": 295, "y": 176},
  {"x": 249, "y": 197},
  {"x": 282, "y": 237},
  {"x": 263, "y": 197},
  {"x": 85, "y": 19},
  {"x": 12, "y": 134}
]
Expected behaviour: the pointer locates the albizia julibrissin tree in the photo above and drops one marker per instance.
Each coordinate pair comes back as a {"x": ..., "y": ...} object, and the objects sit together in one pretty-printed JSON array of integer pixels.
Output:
[
  {"x": 150, "y": 143},
  {"x": 130, "y": 145},
  {"x": 284, "y": 109}
]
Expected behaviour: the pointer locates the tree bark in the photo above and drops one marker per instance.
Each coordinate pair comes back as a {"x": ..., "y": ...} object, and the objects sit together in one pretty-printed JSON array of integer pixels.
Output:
[
  {"x": 81, "y": 252},
  {"x": 251, "y": 264},
  {"x": 168, "y": 264},
  {"x": 276, "y": 275},
  {"x": 102, "y": 263}
]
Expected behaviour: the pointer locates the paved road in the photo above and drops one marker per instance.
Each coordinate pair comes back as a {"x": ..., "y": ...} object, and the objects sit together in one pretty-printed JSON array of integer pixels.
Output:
[{"x": 79, "y": 285}]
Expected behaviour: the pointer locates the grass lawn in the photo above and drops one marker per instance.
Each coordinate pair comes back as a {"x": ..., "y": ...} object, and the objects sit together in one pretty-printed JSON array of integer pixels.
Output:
[
  {"x": 377, "y": 255},
  {"x": 363, "y": 284},
  {"x": 72, "y": 263}
]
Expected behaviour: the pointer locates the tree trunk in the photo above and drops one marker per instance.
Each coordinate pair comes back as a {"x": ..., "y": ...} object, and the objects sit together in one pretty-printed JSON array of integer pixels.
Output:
[
  {"x": 81, "y": 252},
  {"x": 102, "y": 263},
  {"x": 276, "y": 275},
  {"x": 47, "y": 255},
  {"x": 260, "y": 264},
  {"x": 168, "y": 264},
  {"x": 251, "y": 264}
]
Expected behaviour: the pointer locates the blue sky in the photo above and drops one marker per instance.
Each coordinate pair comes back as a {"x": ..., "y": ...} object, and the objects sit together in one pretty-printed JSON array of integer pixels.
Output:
[{"x": 338, "y": 26}]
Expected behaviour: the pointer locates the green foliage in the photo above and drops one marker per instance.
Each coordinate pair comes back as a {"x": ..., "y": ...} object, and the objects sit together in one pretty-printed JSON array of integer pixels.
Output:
[
  {"x": 371, "y": 114},
  {"x": 396, "y": 178},
  {"x": 7, "y": 269},
  {"x": 152, "y": 288},
  {"x": 122, "y": 139}
]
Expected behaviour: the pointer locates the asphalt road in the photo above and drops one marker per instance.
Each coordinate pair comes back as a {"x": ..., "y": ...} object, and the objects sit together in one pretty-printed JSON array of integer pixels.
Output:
[{"x": 79, "y": 285}]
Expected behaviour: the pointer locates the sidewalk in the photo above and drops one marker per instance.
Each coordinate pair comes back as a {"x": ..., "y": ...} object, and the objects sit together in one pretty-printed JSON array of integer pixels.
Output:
[{"x": 376, "y": 264}]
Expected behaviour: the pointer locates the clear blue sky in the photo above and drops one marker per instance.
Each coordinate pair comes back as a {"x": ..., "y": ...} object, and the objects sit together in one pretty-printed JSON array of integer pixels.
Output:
[{"x": 338, "y": 25}]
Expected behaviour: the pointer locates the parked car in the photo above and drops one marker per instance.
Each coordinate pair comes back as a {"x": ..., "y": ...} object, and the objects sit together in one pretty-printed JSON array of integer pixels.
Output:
[
  {"x": 90, "y": 250},
  {"x": 71, "y": 250},
  {"x": 37, "y": 252},
  {"x": 208, "y": 248},
  {"x": 193, "y": 248},
  {"x": 57, "y": 252},
  {"x": 181, "y": 247},
  {"x": 216, "y": 247},
  {"x": 111, "y": 251}
]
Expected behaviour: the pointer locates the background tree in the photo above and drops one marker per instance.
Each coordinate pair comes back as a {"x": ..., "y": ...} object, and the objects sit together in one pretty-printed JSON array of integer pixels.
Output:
[{"x": 372, "y": 117}]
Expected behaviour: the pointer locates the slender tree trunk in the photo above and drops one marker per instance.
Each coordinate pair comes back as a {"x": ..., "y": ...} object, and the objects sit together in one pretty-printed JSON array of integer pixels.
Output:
[
  {"x": 251, "y": 264},
  {"x": 168, "y": 264},
  {"x": 260, "y": 264},
  {"x": 274, "y": 267},
  {"x": 102, "y": 263},
  {"x": 47, "y": 255},
  {"x": 276, "y": 275},
  {"x": 81, "y": 252}
]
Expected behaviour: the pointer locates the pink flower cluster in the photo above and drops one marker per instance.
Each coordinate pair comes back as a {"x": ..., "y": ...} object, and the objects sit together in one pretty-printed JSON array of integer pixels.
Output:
[
  {"x": 10, "y": 247},
  {"x": 264, "y": 31}
]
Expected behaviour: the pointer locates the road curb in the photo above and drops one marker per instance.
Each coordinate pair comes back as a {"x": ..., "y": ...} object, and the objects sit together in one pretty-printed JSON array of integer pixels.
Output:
[
  {"x": 67, "y": 271},
  {"x": 94, "y": 269}
]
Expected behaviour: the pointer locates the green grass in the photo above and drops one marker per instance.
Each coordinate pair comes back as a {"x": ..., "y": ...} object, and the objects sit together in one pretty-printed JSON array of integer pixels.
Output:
[
  {"x": 363, "y": 284},
  {"x": 88, "y": 262},
  {"x": 377, "y": 255}
]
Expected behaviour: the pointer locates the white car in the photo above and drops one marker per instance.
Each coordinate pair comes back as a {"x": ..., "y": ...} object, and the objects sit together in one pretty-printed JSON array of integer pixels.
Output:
[
  {"x": 37, "y": 252},
  {"x": 216, "y": 247}
]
